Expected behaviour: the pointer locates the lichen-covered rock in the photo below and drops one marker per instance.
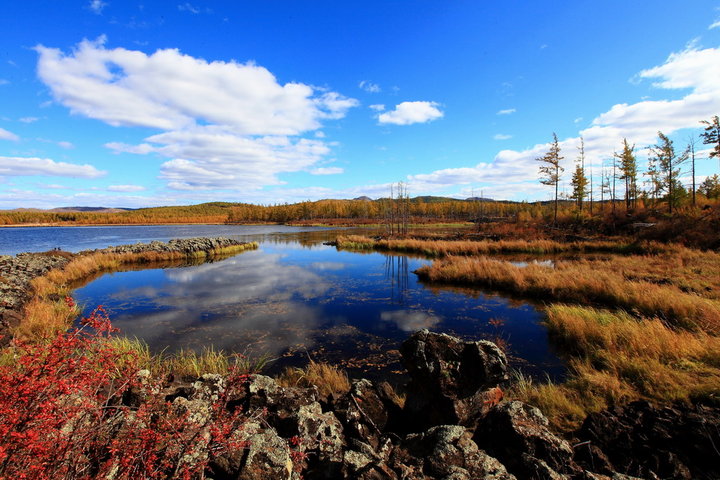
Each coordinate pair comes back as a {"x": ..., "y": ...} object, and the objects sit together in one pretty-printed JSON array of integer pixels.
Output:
[
  {"x": 517, "y": 434},
  {"x": 640, "y": 439},
  {"x": 262, "y": 455},
  {"x": 446, "y": 451},
  {"x": 452, "y": 382}
]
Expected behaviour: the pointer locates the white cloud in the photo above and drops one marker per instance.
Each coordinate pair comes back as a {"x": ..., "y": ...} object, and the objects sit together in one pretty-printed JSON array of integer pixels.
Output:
[
  {"x": 369, "y": 86},
  {"x": 502, "y": 136},
  {"x": 378, "y": 107},
  {"x": 327, "y": 171},
  {"x": 25, "y": 166},
  {"x": 716, "y": 24},
  {"x": 29, "y": 119},
  {"x": 407, "y": 113},
  {"x": 223, "y": 124},
  {"x": 168, "y": 90},
  {"x": 5, "y": 135},
  {"x": 507, "y": 111},
  {"x": 97, "y": 6},
  {"x": 65, "y": 145}
]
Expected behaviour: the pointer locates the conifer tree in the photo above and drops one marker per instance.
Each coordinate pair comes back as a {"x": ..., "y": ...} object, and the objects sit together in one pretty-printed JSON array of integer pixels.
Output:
[
  {"x": 668, "y": 163},
  {"x": 551, "y": 170},
  {"x": 711, "y": 136},
  {"x": 628, "y": 172}
]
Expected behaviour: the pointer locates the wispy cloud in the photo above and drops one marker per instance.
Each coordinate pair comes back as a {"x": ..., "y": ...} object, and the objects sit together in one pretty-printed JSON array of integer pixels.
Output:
[
  {"x": 369, "y": 86},
  {"x": 716, "y": 24},
  {"x": 6, "y": 135},
  {"x": 502, "y": 136},
  {"x": 507, "y": 111},
  {"x": 97, "y": 6},
  {"x": 378, "y": 107},
  {"x": 28, "y": 166},
  {"x": 126, "y": 188},
  {"x": 190, "y": 8},
  {"x": 327, "y": 171},
  {"x": 29, "y": 119},
  {"x": 407, "y": 113}
]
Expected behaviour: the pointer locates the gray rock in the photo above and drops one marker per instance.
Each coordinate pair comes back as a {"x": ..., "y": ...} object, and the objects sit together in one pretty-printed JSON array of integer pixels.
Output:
[
  {"x": 264, "y": 456},
  {"x": 518, "y": 435},
  {"x": 452, "y": 382}
]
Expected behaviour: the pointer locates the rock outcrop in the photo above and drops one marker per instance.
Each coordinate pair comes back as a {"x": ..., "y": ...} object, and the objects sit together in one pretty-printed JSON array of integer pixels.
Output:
[
  {"x": 452, "y": 382},
  {"x": 679, "y": 442}
]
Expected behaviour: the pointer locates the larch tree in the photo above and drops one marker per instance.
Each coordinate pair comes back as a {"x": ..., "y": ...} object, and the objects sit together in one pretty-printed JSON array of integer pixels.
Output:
[
  {"x": 711, "y": 136},
  {"x": 668, "y": 163},
  {"x": 628, "y": 172},
  {"x": 550, "y": 170},
  {"x": 579, "y": 181}
]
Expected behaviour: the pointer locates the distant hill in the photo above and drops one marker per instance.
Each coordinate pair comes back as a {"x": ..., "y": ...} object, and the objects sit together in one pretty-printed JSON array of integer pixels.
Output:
[
  {"x": 479, "y": 199},
  {"x": 90, "y": 209},
  {"x": 364, "y": 198}
]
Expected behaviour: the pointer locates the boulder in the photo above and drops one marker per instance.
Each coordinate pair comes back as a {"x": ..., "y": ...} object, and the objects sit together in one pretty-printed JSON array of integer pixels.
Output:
[
  {"x": 452, "y": 382},
  {"x": 259, "y": 454},
  {"x": 446, "y": 452},
  {"x": 640, "y": 439},
  {"x": 518, "y": 435}
]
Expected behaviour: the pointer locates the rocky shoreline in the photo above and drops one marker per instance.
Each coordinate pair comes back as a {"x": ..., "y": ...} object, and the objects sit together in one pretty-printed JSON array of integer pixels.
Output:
[
  {"x": 17, "y": 272},
  {"x": 454, "y": 423}
]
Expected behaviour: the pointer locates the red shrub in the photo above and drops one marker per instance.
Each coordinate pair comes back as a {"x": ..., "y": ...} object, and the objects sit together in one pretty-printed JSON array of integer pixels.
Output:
[{"x": 61, "y": 415}]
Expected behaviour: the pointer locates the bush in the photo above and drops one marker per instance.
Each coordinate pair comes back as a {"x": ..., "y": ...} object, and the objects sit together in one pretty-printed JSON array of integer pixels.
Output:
[{"x": 62, "y": 414}]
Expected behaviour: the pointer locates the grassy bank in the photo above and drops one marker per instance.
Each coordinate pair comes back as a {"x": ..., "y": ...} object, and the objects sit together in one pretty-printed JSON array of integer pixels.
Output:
[
  {"x": 48, "y": 312},
  {"x": 616, "y": 358}
]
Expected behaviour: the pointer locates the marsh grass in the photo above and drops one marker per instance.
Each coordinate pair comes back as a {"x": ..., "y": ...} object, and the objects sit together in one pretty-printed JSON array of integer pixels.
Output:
[
  {"x": 585, "y": 282},
  {"x": 443, "y": 248},
  {"x": 185, "y": 363},
  {"x": 616, "y": 358},
  {"x": 329, "y": 380}
]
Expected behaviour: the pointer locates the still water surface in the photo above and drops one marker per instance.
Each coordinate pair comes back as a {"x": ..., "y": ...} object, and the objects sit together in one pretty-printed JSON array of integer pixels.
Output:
[{"x": 295, "y": 298}]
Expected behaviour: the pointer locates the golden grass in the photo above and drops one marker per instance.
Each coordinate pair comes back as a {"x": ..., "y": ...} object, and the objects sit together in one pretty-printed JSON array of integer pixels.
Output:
[
  {"x": 444, "y": 248},
  {"x": 583, "y": 282},
  {"x": 615, "y": 358},
  {"x": 328, "y": 379},
  {"x": 184, "y": 363}
]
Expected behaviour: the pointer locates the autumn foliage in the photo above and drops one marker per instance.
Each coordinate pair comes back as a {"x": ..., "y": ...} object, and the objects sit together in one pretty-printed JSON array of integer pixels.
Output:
[{"x": 67, "y": 411}]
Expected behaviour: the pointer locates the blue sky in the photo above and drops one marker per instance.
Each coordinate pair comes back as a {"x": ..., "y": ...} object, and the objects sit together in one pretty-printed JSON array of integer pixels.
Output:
[{"x": 109, "y": 103}]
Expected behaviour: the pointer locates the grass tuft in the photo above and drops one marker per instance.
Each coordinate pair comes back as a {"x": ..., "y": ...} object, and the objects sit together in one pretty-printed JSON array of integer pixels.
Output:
[{"x": 329, "y": 380}]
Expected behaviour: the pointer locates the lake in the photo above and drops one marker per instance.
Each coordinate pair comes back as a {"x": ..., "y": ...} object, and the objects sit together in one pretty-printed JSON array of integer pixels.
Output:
[{"x": 293, "y": 299}]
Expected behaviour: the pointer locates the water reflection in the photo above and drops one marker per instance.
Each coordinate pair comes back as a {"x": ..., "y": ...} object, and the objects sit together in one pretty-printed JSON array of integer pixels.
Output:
[{"x": 293, "y": 300}]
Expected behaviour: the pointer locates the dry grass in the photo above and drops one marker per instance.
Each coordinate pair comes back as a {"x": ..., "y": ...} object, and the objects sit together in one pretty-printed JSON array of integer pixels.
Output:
[
  {"x": 328, "y": 379},
  {"x": 444, "y": 248},
  {"x": 583, "y": 282},
  {"x": 185, "y": 363},
  {"x": 615, "y": 358}
]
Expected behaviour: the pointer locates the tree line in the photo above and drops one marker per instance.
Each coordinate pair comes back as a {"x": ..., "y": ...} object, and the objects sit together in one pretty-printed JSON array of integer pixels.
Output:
[{"x": 662, "y": 174}]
